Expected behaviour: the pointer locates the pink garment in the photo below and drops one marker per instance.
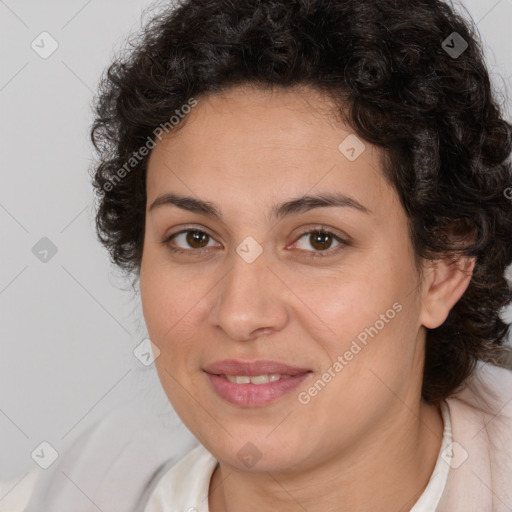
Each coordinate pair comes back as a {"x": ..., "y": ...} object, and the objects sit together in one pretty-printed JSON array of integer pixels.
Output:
[{"x": 481, "y": 416}]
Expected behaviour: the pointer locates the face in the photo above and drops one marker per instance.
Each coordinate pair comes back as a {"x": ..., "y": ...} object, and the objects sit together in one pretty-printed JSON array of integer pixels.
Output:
[{"x": 314, "y": 304}]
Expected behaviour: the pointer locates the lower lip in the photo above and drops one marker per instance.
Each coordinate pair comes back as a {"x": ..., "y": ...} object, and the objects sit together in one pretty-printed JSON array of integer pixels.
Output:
[{"x": 254, "y": 395}]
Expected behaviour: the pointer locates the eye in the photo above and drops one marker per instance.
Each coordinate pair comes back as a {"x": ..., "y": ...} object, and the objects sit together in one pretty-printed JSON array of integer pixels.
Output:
[
  {"x": 194, "y": 241},
  {"x": 189, "y": 240},
  {"x": 320, "y": 240}
]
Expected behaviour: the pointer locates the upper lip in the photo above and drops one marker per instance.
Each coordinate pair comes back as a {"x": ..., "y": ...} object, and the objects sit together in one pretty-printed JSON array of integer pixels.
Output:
[{"x": 252, "y": 368}]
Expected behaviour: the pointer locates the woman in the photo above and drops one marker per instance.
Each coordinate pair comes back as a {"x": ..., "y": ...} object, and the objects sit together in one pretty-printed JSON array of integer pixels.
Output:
[{"x": 312, "y": 196}]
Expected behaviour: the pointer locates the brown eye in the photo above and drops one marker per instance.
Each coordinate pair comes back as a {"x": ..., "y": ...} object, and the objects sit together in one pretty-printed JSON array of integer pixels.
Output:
[
  {"x": 188, "y": 240},
  {"x": 319, "y": 240},
  {"x": 196, "y": 239}
]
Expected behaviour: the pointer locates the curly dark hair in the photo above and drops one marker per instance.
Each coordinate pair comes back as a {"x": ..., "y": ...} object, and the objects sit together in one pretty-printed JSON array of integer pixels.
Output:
[{"x": 389, "y": 65}]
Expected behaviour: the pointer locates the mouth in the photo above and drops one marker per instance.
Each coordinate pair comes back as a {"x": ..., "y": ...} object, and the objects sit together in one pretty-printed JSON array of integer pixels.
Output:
[
  {"x": 255, "y": 379},
  {"x": 254, "y": 383}
]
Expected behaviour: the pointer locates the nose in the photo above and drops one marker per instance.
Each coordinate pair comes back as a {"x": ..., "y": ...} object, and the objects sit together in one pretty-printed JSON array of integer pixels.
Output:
[{"x": 250, "y": 301}]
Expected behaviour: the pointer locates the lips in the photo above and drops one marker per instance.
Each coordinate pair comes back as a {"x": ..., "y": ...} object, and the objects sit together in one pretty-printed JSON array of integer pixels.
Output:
[
  {"x": 250, "y": 387},
  {"x": 253, "y": 368}
]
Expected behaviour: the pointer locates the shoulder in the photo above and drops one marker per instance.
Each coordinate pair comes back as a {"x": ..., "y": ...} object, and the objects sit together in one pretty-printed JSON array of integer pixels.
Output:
[
  {"x": 184, "y": 484},
  {"x": 481, "y": 455},
  {"x": 15, "y": 492},
  {"x": 487, "y": 394},
  {"x": 110, "y": 465}
]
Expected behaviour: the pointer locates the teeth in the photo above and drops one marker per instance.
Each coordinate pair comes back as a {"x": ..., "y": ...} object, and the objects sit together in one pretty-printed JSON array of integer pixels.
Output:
[
  {"x": 256, "y": 379},
  {"x": 238, "y": 379}
]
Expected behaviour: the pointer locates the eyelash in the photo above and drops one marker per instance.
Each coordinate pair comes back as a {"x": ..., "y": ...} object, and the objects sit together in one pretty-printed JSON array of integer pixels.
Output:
[{"x": 312, "y": 254}]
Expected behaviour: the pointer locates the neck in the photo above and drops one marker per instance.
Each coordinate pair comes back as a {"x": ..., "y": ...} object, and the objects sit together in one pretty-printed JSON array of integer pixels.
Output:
[{"x": 388, "y": 470}]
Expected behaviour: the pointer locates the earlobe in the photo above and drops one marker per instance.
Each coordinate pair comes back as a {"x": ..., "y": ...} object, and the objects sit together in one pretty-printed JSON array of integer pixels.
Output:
[{"x": 446, "y": 281}]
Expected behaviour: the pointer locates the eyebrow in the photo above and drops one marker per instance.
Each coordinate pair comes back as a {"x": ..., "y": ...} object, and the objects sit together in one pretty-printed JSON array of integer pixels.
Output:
[{"x": 293, "y": 206}]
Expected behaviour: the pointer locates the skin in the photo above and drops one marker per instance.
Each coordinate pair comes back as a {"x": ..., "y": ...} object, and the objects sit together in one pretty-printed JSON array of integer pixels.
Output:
[{"x": 366, "y": 442}]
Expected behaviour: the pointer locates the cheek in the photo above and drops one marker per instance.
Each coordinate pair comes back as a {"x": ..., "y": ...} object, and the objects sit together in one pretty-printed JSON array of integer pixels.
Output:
[
  {"x": 170, "y": 300},
  {"x": 168, "y": 309},
  {"x": 365, "y": 320},
  {"x": 344, "y": 303},
  {"x": 174, "y": 308}
]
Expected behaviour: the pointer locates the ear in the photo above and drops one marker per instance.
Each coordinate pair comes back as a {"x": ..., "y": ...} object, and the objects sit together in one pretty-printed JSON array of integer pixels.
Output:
[{"x": 445, "y": 281}]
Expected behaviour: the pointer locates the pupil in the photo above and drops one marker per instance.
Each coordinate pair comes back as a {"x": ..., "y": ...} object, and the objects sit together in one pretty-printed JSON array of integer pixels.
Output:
[
  {"x": 320, "y": 240},
  {"x": 196, "y": 237}
]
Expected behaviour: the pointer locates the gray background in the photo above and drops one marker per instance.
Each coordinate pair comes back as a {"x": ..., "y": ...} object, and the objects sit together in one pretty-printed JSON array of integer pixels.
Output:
[{"x": 70, "y": 324}]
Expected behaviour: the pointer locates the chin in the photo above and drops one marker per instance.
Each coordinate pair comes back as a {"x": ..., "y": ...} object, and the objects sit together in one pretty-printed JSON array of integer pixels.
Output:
[{"x": 258, "y": 454}]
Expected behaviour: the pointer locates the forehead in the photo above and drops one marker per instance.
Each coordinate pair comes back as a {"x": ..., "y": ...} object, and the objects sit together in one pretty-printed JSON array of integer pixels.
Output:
[
  {"x": 255, "y": 144},
  {"x": 242, "y": 117}
]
